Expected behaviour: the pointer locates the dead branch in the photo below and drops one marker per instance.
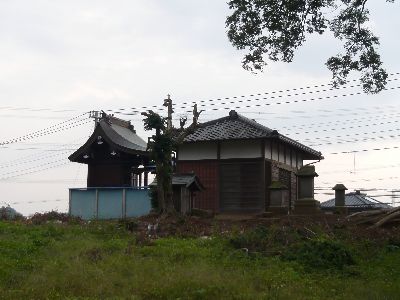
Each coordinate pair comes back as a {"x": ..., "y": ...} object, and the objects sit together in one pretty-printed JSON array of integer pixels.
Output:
[
  {"x": 386, "y": 219},
  {"x": 361, "y": 214}
]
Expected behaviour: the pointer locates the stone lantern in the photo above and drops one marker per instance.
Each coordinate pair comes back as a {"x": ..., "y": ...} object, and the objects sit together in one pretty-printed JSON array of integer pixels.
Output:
[
  {"x": 340, "y": 205},
  {"x": 305, "y": 203},
  {"x": 279, "y": 198}
]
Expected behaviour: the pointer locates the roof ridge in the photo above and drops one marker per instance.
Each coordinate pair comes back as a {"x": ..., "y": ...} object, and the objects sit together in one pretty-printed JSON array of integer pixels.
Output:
[
  {"x": 234, "y": 115},
  {"x": 255, "y": 124},
  {"x": 121, "y": 136}
]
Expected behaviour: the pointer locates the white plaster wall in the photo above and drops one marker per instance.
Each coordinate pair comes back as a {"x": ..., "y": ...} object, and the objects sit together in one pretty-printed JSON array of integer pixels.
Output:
[
  {"x": 287, "y": 159},
  {"x": 299, "y": 161},
  {"x": 275, "y": 151},
  {"x": 268, "y": 152},
  {"x": 281, "y": 153},
  {"x": 293, "y": 162},
  {"x": 197, "y": 151},
  {"x": 240, "y": 149}
]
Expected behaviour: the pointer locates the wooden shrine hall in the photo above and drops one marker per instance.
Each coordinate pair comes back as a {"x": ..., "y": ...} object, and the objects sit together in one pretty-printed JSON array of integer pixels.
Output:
[{"x": 116, "y": 156}]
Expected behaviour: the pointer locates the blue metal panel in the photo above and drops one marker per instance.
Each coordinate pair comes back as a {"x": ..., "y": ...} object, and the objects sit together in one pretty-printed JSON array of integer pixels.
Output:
[
  {"x": 83, "y": 203},
  {"x": 137, "y": 202},
  {"x": 110, "y": 203}
]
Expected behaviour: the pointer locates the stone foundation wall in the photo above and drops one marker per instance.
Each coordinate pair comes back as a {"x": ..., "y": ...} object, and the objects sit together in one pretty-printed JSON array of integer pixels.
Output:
[
  {"x": 274, "y": 171},
  {"x": 293, "y": 188}
]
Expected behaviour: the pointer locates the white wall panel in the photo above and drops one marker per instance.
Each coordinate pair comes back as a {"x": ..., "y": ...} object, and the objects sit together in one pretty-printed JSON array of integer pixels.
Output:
[
  {"x": 197, "y": 151},
  {"x": 275, "y": 151},
  {"x": 268, "y": 152},
  {"x": 240, "y": 149}
]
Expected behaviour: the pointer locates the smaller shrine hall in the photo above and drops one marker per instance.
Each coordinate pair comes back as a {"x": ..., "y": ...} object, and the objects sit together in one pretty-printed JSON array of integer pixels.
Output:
[{"x": 116, "y": 156}]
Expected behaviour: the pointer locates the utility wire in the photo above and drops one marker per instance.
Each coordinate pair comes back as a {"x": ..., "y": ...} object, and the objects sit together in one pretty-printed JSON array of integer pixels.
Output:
[
  {"x": 345, "y": 128},
  {"x": 37, "y": 109},
  {"x": 34, "y": 160},
  {"x": 34, "y": 171},
  {"x": 184, "y": 105},
  {"x": 339, "y": 122},
  {"x": 283, "y": 96},
  {"x": 366, "y": 168},
  {"x": 367, "y": 179},
  {"x": 35, "y": 167},
  {"x": 365, "y": 150},
  {"x": 333, "y": 97},
  {"x": 32, "y": 202},
  {"x": 285, "y": 91},
  {"x": 357, "y": 140},
  {"x": 47, "y": 129}
]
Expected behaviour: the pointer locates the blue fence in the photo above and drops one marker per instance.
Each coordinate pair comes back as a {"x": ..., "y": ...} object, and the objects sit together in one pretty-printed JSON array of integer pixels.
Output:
[{"x": 109, "y": 203}]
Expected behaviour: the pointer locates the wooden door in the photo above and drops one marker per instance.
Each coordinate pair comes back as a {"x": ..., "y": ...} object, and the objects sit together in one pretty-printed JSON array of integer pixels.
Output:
[{"x": 241, "y": 186}]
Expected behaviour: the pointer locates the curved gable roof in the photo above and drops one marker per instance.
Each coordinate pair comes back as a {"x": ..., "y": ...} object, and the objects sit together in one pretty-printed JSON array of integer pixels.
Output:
[{"x": 119, "y": 137}]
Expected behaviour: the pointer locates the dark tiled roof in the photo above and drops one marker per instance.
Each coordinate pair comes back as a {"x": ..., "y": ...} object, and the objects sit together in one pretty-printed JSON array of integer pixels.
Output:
[
  {"x": 118, "y": 133},
  {"x": 189, "y": 180},
  {"x": 123, "y": 136},
  {"x": 356, "y": 199},
  {"x": 236, "y": 126}
]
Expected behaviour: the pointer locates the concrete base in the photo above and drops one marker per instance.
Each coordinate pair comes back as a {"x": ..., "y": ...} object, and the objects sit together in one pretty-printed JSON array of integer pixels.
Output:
[
  {"x": 277, "y": 210},
  {"x": 341, "y": 210},
  {"x": 306, "y": 207}
]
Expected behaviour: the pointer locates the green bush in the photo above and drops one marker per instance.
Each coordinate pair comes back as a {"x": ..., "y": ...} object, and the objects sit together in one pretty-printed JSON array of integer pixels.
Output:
[
  {"x": 255, "y": 240},
  {"x": 320, "y": 254},
  {"x": 8, "y": 213}
]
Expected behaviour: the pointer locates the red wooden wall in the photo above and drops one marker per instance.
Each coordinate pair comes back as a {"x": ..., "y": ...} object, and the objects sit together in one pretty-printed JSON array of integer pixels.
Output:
[{"x": 207, "y": 171}]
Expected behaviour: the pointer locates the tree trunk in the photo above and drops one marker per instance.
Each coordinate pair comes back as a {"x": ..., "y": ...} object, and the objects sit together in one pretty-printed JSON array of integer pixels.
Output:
[
  {"x": 160, "y": 188},
  {"x": 169, "y": 201}
]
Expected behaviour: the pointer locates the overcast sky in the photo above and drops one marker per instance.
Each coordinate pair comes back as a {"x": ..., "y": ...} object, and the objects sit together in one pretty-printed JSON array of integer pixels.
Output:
[{"x": 92, "y": 55}]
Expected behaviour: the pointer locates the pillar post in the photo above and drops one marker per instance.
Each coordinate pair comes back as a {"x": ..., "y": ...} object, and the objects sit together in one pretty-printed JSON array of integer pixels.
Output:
[
  {"x": 279, "y": 198},
  {"x": 305, "y": 202},
  {"x": 340, "y": 205}
]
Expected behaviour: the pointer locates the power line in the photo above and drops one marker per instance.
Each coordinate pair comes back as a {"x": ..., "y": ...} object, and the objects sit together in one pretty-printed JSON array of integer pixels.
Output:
[
  {"x": 47, "y": 131},
  {"x": 308, "y": 140},
  {"x": 59, "y": 148},
  {"x": 365, "y": 169},
  {"x": 368, "y": 179},
  {"x": 35, "y": 167},
  {"x": 357, "y": 140},
  {"x": 37, "y": 109},
  {"x": 345, "y": 128},
  {"x": 35, "y": 171},
  {"x": 365, "y": 150},
  {"x": 184, "y": 105},
  {"x": 32, "y": 202},
  {"x": 34, "y": 160},
  {"x": 330, "y": 123},
  {"x": 332, "y": 97}
]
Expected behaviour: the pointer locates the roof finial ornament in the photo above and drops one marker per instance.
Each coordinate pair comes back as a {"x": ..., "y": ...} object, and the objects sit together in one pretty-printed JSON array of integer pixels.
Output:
[
  {"x": 196, "y": 114},
  {"x": 233, "y": 114},
  {"x": 182, "y": 122}
]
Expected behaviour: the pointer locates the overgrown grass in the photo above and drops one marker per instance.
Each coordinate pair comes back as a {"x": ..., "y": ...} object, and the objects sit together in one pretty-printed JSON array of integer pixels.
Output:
[{"x": 102, "y": 260}]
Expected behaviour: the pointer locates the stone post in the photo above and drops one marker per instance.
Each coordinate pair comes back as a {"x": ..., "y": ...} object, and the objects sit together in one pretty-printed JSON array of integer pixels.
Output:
[
  {"x": 340, "y": 205},
  {"x": 279, "y": 198},
  {"x": 305, "y": 202}
]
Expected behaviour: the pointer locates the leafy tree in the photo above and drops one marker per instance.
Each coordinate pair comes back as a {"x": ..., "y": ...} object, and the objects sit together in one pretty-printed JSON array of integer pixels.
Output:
[
  {"x": 161, "y": 145},
  {"x": 273, "y": 29}
]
